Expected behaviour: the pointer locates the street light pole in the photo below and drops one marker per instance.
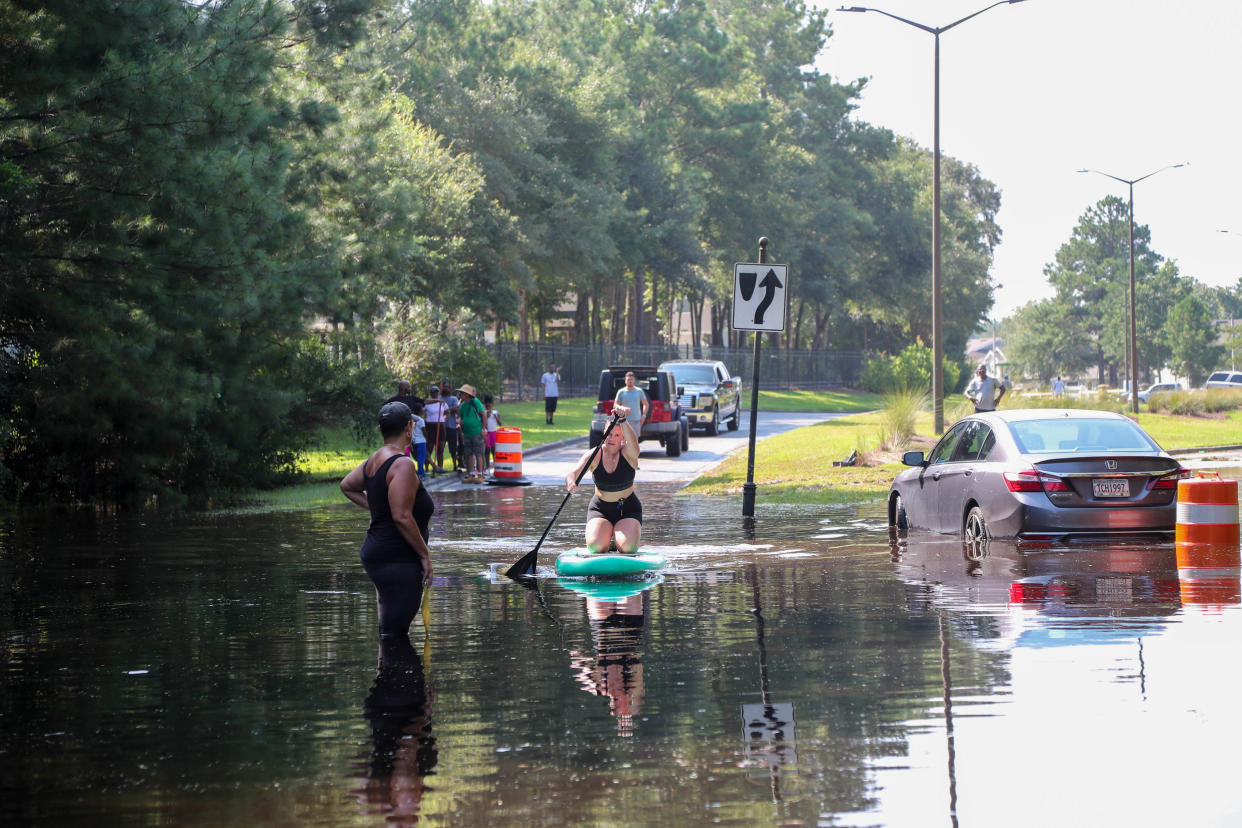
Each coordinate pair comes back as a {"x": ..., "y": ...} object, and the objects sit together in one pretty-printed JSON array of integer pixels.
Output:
[
  {"x": 1233, "y": 364},
  {"x": 1132, "y": 334},
  {"x": 937, "y": 334}
]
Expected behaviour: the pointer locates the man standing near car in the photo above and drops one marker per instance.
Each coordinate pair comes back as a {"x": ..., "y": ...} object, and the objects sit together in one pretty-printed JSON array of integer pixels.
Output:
[
  {"x": 634, "y": 398},
  {"x": 984, "y": 391}
]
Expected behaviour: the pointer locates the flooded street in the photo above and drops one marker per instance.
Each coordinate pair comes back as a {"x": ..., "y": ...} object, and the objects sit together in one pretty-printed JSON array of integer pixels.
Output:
[{"x": 806, "y": 669}]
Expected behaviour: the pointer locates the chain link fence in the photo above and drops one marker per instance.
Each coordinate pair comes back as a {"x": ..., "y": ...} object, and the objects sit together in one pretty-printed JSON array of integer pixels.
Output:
[{"x": 521, "y": 366}]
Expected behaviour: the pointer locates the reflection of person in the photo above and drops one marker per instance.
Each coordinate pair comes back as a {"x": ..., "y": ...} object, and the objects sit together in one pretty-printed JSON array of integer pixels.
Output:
[
  {"x": 550, "y": 385},
  {"x": 615, "y": 513},
  {"x": 394, "y": 554},
  {"x": 634, "y": 399},
  {"x": 616, "y": 671},
  {"x": 398, "y": 709},
  {"x": 984, "y": 391}
]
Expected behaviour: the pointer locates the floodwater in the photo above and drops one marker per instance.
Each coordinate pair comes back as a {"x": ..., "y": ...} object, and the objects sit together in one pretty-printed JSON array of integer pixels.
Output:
[{"x": 803, "y": 669}]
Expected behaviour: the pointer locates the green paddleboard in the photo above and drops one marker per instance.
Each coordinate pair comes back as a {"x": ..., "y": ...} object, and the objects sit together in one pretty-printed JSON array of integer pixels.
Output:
[
  {"x": 579, "y": 563},
  {"x": 610, "y": 590}
]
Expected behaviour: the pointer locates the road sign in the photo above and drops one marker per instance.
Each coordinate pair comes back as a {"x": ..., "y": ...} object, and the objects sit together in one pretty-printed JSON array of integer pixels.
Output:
[{"x": 760, "y": 296}]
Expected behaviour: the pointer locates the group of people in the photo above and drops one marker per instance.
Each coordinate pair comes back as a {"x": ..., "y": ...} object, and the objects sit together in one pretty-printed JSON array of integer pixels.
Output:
[{"x": 458, "y": 420}]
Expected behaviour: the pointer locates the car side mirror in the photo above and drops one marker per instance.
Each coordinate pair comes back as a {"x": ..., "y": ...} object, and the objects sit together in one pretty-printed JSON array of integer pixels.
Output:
[
  {"x": 681, "y": 390},
  {"x": 912, "y": 458}
]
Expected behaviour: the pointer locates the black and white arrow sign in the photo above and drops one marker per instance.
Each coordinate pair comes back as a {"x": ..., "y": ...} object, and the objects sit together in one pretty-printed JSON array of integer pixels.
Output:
[{"x": 760, "y": 296}]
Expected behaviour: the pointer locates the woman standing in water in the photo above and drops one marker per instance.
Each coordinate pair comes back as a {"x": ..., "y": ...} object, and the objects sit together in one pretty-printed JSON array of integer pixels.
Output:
[
  {"x": 394, "y": 554},
  {"x": 615, "y": 512}
]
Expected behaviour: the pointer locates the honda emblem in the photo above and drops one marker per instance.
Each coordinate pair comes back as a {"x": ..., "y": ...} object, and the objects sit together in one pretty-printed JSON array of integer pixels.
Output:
[{"x": 1111, "y": 464}]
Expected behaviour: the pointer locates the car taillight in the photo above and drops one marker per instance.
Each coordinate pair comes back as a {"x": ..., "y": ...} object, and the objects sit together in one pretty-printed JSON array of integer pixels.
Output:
[
  {"x": 659, "y": 412},
  {"x": 1020, "y": 593},
  {"x": 1023, "y": 481},
  {"x": 1169, "y": 481},
  {"x": 604, "y": 407},
  {"x": 1030, "y": 480},
  {"x": 1054, "y": 484}
]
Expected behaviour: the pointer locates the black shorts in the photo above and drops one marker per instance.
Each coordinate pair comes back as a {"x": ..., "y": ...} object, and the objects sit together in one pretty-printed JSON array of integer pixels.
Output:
[
  {"x": 549, "y": 404},
  {"x": 629, "y": 507}
]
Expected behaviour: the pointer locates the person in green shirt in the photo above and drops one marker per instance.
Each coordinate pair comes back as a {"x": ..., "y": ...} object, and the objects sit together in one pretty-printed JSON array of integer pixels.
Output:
[{"x": 471, "y": 415}]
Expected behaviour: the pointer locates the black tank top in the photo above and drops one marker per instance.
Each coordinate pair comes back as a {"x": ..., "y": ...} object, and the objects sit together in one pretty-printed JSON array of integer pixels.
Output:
[
  {"x": 384, "y": 540},
  {"x": 617, "y": 480}
]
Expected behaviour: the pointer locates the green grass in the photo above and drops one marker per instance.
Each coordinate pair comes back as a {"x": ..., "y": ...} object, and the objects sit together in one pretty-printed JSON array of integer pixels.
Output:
[
  {"x": 833, "y": 400},
  {"x": 796, "y": 467},
  {"x": 1173, "y": 432}
]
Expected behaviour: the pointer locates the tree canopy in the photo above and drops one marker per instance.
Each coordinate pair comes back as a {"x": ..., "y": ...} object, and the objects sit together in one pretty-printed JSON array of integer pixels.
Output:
[{"x": 190, "y": 191}]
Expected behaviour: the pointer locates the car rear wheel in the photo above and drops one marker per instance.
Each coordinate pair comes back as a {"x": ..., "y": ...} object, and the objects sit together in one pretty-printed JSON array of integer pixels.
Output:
[
  {"x": 672, "y": 445},
  {"x": 975, "y": 529},
  {"x": 594, "y": 439},
  {"x": 685, "y": 436},
  {"x": 713, "y": 427}
]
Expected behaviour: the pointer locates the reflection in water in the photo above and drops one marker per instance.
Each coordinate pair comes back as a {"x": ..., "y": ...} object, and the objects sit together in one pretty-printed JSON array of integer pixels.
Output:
[
  {"x": 769, "y": 727},
  {"x": 403, "y": 752},
  {"x": 616, "y": 670}
]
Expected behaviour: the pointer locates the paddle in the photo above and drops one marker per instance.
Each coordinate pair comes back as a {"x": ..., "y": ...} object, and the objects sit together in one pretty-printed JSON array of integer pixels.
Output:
[{"x": 526, "y": 565}]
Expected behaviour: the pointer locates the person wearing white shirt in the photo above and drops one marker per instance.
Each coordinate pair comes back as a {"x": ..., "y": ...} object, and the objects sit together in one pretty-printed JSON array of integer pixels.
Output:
[
  {"x": 984, "y": 391},
  {"x": 550, "y": 382}
]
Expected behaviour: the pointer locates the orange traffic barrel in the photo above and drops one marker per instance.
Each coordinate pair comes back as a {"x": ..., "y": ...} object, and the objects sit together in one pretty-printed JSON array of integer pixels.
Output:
[
  {"x": 508, "y": 467},
  {"x": 1207, "y": 542},
  {"x": 1207, "y": 512}
]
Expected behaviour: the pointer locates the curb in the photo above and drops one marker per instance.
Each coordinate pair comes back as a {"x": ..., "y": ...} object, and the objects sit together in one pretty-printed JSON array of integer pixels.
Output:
[{"x": 1204, "y": 450}]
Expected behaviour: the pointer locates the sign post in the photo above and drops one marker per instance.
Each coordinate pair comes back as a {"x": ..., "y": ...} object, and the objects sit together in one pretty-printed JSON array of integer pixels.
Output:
[{"x": 760, "y": 298}]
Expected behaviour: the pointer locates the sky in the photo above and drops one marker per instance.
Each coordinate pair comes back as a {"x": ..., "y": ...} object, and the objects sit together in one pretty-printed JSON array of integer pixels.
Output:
[{"x": 1032, "y": 92}]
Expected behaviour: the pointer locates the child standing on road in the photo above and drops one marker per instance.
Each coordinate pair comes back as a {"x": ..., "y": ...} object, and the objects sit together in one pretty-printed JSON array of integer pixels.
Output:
[
  {"x": 493, "y": 424},
  {"x": 418, "y": 448}
]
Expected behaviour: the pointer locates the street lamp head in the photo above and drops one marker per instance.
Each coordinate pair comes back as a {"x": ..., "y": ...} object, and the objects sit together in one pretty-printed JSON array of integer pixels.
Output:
[{"x": 852, "y": 9}]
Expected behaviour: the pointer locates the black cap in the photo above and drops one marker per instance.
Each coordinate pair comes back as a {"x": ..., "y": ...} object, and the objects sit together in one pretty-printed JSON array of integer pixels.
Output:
[{"x": 393, "y": 417}]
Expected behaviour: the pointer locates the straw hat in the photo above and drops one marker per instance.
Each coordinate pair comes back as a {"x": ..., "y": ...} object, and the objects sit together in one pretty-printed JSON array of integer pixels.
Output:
[{"x": 466, "y": 389}]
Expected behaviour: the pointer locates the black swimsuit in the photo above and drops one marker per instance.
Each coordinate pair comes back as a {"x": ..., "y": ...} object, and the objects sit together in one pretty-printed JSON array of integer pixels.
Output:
[
  {"x": 617, "y": 480},
  {"x": 390, "y": 562}
]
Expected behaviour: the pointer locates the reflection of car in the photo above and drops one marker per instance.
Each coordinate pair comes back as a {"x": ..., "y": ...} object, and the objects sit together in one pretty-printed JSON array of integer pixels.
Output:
[
  {"x": 1224, "y": 379},
  {"x": 708, "y": 392},
  {"x": 1156, "y": 388},
  {"x": 1039, "y": 475},
  {"x": 666, "y": 421}
]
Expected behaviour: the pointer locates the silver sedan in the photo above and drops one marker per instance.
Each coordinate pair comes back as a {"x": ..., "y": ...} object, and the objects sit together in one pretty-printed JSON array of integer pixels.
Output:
[{"x": 1039, "y": 475}]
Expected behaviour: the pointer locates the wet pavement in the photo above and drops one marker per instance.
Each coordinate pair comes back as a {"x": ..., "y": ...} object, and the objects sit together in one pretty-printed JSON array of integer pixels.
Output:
[{"x": 801, "y": 668}]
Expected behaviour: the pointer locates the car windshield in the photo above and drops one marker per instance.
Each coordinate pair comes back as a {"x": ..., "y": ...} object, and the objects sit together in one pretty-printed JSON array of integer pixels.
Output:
[
  {"x": 694, "y": 374},
  {"x": 1087, "y": 434}
]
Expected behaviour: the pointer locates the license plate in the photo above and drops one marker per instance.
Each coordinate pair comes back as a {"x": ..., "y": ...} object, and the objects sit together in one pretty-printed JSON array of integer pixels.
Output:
[{"x": 1110, "y": 487}]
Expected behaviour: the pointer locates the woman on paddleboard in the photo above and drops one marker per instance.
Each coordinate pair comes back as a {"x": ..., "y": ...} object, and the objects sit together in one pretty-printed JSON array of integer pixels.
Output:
[
  {"x": 394, "y": 554},
  {"x": 615, "y": 512}
]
